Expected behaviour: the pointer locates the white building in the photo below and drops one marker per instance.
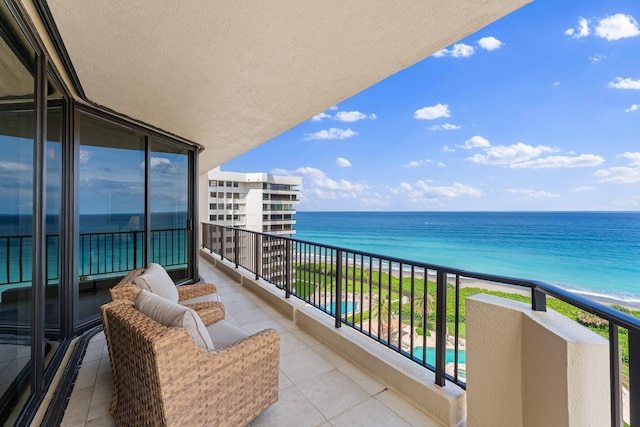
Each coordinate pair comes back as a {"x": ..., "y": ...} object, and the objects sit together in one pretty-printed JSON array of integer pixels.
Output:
[
  {"x": 257, "y": 202},
  {"x": 253, "y": 201}
]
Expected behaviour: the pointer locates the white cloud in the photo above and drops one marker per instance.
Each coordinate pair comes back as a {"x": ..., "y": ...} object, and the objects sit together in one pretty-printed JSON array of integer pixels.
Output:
[
  {"x": 627, "y": 83},
  {"x": 556, "y": 84},
  {"x": 317, "y": 182},
  {"x": 581, "y": 30},
  {"x": 475, "y": 142},
  {"x": 446, "y": 149},
  {"x": 505, "y": 155},
  {"x": 533, "y": 194},
  {"x": 622, "y": 174},
  {"x": 158, "y": 161},
  {"x": 446, "y": 126},
  {"x": 333, "y": 107},
  {"x": 342, "y": 162},
  {"x": 333, "y": 133},
  {"x": 490, "y": 43},
  {"x": 405, "y": 186},
  {"x": 433, "y": 112},
  {"x": 584, "y": 188},
  {"x": 634, "y": 157},
  {"x": 319, "y": 117},
  {"x": 442, "y": 165},
  {"x": 459, "y": 50},
  {"x": 85, "y": 156},
  {"x": 416, "y": 163},
  {"x": 597, "y": 57},
  {"x": 353, "y": 116},
  {"x": 581, "y": 161},
  {"x": 12, "y": 166},
  {"x": 618, "y": 26},
  {"x": 619, "y": 175},
  {"x": 455, "y": 190},
  {"x": 633, "y": 107}
]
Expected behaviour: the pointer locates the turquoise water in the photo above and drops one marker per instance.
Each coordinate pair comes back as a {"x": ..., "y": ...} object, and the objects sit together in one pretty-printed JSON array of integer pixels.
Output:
[
  {"x": 594, "y": 253},
  {"x": 347, "y": 307},
  {"x": 431, "y": 355}
]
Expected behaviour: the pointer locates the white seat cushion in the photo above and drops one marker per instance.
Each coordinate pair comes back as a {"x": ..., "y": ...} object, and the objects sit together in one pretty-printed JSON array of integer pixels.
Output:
[
  {"x": 169, "y": 313},
  {"x": 213, "y": 297},
  {"x": 155, "y": 279},
  {"x": 223, "y": 333}
]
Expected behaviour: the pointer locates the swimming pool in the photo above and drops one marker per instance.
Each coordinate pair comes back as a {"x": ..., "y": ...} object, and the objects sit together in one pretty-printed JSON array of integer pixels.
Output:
[
  {"x": 347, "y": 307},
  {"x": 431, "y": 355}
]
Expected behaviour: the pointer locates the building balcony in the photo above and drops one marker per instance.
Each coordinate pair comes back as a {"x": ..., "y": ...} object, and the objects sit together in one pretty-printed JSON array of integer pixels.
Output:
[
  {"x": 279, "y": 221},
  {"x": 496, "y": 350},
  {"x": 318, "y": 386},
  {"x": 282, "y": 192}
]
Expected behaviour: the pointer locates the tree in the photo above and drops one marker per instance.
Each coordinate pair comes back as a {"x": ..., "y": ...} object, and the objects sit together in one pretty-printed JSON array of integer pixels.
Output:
[{"x": 423, "y": 305}]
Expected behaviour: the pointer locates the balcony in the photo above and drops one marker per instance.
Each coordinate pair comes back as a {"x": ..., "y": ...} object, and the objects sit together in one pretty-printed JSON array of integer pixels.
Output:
[
  {"x": 317, "y": 385},
  {"x": 383, "y": 300}
]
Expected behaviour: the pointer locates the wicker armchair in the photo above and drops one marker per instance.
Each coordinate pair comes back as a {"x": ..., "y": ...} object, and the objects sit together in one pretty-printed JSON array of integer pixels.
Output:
[
  {"x": 209, "y": 312},
  {"x": 164, "y": 379}
]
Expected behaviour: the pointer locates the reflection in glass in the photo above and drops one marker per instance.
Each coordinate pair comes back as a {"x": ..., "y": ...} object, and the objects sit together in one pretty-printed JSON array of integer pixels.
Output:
[
  {"x": 17, "y": 129},
  {"x": 169, "y": 202},
  {"x": 111, "y": 208}
]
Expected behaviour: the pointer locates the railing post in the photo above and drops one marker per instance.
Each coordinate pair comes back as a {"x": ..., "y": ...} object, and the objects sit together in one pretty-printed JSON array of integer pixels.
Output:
[
  {"x": 441, "y": 326},
  {"x": 287, "y": 268},
  {"x": 221, "y": 242},
  {"x": 614, "y": 376},
  {"x": 338, "y": 302},
  {"x": 135, "y": 250},
  {"x": 206, "y": 244},
  {"x": 538, "y": 300},
  {"x": 257, "y": 257},
  {"x": 634, "y": 378},
  {"x": 236, "y": 245}
]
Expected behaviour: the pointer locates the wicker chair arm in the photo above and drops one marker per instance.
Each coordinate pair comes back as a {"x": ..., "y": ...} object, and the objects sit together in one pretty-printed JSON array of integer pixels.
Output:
[
  {"x": 209, "y": 312},
  {"x": 124, "y": 291},
  {"x": 186, "y": 292}
]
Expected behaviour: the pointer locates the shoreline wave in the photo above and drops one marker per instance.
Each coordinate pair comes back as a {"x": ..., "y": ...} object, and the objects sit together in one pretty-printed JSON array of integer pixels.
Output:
[{"x": 629, "y": 301}]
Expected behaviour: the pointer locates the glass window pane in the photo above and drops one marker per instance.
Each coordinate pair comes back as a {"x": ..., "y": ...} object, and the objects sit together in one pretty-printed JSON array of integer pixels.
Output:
[
  {"x": 111, "y": 208},
  {"x": 169, "y": 202},
  {"x": 17, "y": 131}
]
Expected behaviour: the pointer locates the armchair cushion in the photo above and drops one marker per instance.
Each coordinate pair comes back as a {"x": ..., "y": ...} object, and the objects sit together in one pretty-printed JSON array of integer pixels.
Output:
[
  {"x": 168, "y": 313},
  {"x": 155, "y": 279},
  {"x": 223, "y": 333},
  {"x": 213, "y": 297}
]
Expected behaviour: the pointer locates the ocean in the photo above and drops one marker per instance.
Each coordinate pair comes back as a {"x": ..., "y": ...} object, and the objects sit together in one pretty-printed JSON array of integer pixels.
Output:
[{"x": 593, "y": 253}]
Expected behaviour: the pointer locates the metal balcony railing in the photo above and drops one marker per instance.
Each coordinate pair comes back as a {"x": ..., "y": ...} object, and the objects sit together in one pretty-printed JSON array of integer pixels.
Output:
[
  {"x": 99, "y": 254},
  {"x": 416, "y": 309}
]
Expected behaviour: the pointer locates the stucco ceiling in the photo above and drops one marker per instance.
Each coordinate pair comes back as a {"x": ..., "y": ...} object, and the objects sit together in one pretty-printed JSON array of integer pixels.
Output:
[{"x": 231, "y": 75}]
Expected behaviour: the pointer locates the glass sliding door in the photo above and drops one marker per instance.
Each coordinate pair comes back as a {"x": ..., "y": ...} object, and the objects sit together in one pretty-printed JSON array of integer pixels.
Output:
[
  {"x": 17, "y": 133},
  {"x": 53, "y": 153},
  {"x": 171, "y": 208},
  {"x": 111, "y": 187}
]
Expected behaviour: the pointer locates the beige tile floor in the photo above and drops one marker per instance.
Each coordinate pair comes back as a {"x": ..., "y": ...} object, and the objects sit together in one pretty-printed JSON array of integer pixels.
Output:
[{"x": 318, "y": 387}]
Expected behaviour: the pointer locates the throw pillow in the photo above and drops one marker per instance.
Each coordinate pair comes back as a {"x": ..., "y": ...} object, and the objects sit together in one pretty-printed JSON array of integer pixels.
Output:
[
  {"x": 169, "y": 313},
  {"x": 155, "y": 279}
]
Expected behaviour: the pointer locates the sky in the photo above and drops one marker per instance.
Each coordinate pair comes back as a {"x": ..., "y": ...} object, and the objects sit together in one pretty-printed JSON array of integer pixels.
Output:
[{"x": 537, "y": 111}]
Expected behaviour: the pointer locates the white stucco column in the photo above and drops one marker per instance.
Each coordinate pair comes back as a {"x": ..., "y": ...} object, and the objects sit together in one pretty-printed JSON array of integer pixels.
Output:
[{"x": 528, "y": 368}]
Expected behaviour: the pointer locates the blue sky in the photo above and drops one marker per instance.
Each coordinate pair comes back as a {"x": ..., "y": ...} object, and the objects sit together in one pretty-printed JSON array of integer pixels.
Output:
[{"x": 538, "y": 111}]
